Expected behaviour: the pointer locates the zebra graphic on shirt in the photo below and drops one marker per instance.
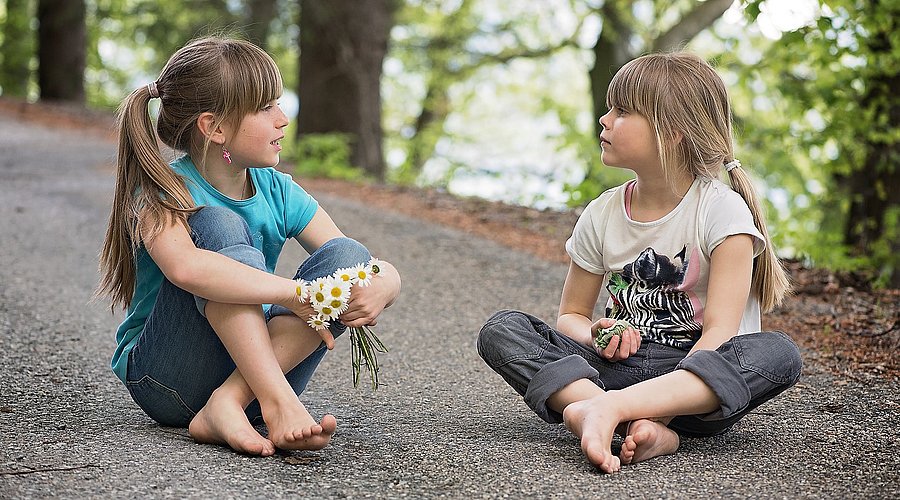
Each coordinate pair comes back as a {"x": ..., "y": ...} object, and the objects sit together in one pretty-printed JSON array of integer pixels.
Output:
[{"x": 647, "y": 293}]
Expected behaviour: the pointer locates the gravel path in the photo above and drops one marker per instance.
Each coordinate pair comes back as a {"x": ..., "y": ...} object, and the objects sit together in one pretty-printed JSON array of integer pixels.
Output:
[{"x": 443, "y": 424}]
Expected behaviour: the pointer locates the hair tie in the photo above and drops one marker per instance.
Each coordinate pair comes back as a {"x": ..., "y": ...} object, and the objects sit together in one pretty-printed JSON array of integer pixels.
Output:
[
  {"x": 154, "y": 91},
  {"x": 733, "y": 164}
]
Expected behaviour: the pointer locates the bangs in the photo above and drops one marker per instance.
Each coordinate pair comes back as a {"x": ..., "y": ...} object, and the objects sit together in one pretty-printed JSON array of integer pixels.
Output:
[
  {"x": 253, "y": 79},
  {"x": 637, "y": 86}
]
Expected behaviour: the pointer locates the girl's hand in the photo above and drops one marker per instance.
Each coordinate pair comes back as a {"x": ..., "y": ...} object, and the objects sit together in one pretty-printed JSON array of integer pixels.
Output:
[
  {"x": 366, "y": 303},
  {"x": 304, "y": 310},
  {"x": 621, "y": 346}
]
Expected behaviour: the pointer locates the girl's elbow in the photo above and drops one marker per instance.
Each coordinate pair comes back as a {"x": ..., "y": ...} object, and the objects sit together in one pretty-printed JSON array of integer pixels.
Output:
[{"x": 183, "y": 276}]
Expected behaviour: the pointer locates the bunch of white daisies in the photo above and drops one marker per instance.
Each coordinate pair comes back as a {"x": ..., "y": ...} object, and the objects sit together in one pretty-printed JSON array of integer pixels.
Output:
[{"x": 329, "y": 297}]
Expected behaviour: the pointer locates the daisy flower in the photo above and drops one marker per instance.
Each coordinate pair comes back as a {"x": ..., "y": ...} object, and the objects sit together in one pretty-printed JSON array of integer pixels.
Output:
[
  {"x": 317, "y": 290},
  {"x": 327, "y": 312},
  {"x": 346, "y": 275},
  {"x": 318, "y": 322},
  {"x": 337, "y": 289},
  {"x": 338, "y": 304},
  {"x": 363, "y": 274}
]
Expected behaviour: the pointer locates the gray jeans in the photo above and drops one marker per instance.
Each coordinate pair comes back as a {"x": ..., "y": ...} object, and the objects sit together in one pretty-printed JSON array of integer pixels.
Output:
[{"x": 537, "y": 361}]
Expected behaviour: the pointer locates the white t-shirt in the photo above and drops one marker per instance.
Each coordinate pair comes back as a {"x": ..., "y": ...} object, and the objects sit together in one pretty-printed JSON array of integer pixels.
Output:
[{"x": 656, "y": 274}]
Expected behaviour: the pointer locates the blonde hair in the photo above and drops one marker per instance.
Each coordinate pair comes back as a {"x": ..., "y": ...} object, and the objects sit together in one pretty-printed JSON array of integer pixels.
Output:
[
  {"x": 226, "y": 77},
  {"x": 686, "y": 103}
]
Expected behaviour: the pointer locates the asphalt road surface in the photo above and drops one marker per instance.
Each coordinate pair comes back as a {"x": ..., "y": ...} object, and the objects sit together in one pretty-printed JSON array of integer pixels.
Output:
[{"x": 442, "y": 425}]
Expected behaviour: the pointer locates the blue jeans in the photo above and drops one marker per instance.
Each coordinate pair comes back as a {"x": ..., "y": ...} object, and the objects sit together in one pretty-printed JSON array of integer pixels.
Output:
[
  {"x": 179, "y": 361},
  {"x": 537, "y": 361}
]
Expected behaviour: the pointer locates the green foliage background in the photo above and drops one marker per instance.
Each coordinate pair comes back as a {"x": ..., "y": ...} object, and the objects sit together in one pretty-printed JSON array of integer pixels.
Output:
[
  {"x": 807, "y": 127},
  {"x": 806, "y": 118}
]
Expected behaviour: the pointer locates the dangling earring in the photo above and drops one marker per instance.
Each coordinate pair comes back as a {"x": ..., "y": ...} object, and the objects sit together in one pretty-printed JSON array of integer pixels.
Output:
[{"x": 226, "y": 155}]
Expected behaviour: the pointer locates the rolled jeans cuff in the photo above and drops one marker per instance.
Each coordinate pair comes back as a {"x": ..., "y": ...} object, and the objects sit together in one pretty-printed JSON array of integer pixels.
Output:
[
  {"x": 723, "y": 378},
  {"x": 551, "y": 378},
  {"x": 242, "y": 253}
]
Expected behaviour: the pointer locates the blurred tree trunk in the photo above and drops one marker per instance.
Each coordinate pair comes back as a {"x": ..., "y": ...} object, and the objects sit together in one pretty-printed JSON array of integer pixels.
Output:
[
  {"x": 62, "y": 40},
  {"x": 343, "y": 44},
  {"x": 260, "y": 14},
  {"x": 611, "y": 52},
  {"x": 874, "y": 189},
  {"x": 18, "y": 48}
]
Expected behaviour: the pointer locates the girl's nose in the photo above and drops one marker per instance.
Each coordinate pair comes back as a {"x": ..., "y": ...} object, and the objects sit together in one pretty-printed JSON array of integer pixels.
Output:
[{"x": 603, "y": 125}]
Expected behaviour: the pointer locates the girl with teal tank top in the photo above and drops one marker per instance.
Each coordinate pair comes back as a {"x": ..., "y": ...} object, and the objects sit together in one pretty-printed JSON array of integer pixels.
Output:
[{"x": 212, "y": 339}]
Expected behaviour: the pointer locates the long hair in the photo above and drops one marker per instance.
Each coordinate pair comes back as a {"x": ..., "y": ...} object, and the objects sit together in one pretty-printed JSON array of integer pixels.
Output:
[
  {"x": 226, "y": 77},
  {"x": 687, "y": 105}
]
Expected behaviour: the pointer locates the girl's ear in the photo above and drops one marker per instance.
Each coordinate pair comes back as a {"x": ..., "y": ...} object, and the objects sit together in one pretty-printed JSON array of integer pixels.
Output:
[
  {"x": 206, "y": 124},
  {"x": 678, "y": 137}
]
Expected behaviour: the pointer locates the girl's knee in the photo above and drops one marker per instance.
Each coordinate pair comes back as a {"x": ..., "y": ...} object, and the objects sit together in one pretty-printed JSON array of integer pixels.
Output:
[
  {"x": 772, "y": 355},
  {"x": 346, "y": 251},
  {"x": 335, "y": 254},
  {"x": 214, "y": 228},
  {"x": 497, "y": 325},
  {"x": 791, "y": 359},
  {"x": 505, "y": 334}
]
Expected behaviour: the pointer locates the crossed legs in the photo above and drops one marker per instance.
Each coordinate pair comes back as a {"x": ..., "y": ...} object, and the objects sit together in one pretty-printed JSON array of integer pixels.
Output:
[
  {"x": 199, "y": 364},
  {"x": 703, "y": 394}
]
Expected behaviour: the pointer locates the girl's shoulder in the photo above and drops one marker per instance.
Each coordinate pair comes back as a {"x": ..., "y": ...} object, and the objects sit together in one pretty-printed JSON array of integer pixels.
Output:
[
  {"x": 280, "y": 186},
  {"x": 272, "y": 176},
  {"x": 723, "y": 212},
  {"x": 611, "y": 196},
  {"x": 715, "y": 189},
  {"x": 717, "y": 199}
]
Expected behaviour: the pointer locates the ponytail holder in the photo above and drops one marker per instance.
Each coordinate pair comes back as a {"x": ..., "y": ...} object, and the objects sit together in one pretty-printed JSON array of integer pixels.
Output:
[
  {"x": 154, "y": 91},
  {"x": 733, "y": 164}
]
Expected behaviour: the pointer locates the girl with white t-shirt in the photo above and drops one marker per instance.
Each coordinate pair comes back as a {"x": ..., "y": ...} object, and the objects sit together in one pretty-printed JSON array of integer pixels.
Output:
[{"x": 680, "y": 259}]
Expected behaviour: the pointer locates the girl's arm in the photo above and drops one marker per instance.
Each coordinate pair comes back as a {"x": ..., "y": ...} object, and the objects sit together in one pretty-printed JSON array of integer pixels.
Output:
[
  {"x": 730, "y": 274},
  {"x": 212, "y": 275},
  {"x": 318, "y": 231},
  {"x": 576, "y": 306},
  {"x": 576, "y": 310},
  {"x": 366, "y": 303}
]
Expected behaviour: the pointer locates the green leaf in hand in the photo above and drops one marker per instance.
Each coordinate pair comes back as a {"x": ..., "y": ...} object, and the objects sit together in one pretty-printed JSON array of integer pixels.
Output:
[{"x": 605, "y": 335}]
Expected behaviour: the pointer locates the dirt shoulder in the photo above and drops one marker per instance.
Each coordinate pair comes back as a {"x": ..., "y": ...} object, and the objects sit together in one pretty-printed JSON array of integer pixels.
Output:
[{"x": 845, "y": 326}]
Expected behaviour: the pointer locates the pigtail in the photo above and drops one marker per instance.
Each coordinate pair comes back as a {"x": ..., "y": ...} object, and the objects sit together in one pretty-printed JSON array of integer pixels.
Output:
[
  {"x": 147, "y": 191},
  {"x": 770, "y": 280}
]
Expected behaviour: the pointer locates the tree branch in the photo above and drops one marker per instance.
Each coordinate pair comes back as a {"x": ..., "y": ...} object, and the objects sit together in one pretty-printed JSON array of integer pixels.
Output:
[{"x": 691, "y": 24}]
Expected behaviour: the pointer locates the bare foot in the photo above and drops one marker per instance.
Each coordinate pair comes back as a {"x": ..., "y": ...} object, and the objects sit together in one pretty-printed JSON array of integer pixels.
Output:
[
  {"x": 222, "y": 421},
  {"x": 646, "y": 439},
  {"x": 291, "y": 427},
  {"x": 594, "y": 422}
]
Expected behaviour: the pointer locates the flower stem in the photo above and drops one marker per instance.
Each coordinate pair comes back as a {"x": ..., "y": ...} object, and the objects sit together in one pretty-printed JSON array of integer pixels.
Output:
[{"x": 364, "y": 344}]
